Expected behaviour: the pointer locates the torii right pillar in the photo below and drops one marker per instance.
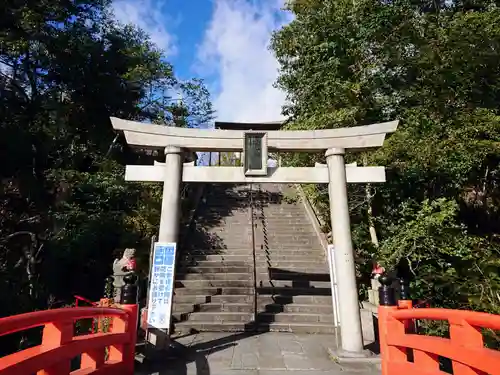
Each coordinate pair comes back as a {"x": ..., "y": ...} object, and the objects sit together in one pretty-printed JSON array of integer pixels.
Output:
[{"x": 349, "y": 312}]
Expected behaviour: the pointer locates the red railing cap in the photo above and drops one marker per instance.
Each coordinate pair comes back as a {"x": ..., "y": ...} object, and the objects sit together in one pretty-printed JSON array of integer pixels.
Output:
[
  {"x": 29, "y": 320},
  {"x": 474, "y": 318}
]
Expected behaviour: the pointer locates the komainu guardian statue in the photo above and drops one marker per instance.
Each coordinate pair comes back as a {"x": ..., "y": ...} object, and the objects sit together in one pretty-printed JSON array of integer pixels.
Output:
[{"x": 121, "y": 268}]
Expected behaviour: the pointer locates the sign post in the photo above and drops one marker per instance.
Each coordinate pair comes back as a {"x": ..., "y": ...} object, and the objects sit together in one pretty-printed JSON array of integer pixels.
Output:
[
  {"x": 334, "y": 286},
  {"x": 162, "y": 285}
]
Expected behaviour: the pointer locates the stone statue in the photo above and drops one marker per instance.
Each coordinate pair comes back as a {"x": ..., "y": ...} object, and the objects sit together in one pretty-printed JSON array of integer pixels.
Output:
[{"x": 121, "y": 268}]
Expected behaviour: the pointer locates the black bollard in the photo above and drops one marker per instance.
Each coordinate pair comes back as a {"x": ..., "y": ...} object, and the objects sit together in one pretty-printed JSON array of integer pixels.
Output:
[
  {"x": 129, "y": 290},
  {"x": 404, "y": 291},
  {"x": 386, "y": 291}
]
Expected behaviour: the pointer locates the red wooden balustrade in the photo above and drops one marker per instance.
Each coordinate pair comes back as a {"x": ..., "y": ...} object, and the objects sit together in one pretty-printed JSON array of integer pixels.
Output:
[
  {"x": 102, "y": 353},
  {"x": 465, "y": 346},
  {"x": 79, "y": 299}
]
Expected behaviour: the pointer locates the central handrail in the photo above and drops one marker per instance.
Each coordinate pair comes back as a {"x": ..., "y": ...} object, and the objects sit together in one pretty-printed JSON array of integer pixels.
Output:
[{"x": 255, "y": 312}]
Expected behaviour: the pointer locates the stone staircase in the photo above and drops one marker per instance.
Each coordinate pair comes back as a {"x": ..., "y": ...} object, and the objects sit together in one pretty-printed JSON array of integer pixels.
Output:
[
  {"x": 293, "y": 280},
  {"x": 221, "y": 287},
  {"x": 214, "y": 288}
]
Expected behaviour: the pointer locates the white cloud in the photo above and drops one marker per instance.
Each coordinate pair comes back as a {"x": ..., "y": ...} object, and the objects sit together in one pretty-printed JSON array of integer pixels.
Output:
[
  {"x": 235, "y": 50},
  {"x": 150, "y": 16}
]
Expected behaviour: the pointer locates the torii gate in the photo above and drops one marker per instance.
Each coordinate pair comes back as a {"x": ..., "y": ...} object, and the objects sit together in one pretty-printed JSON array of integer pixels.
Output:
[{"x": 335, "y": 173}]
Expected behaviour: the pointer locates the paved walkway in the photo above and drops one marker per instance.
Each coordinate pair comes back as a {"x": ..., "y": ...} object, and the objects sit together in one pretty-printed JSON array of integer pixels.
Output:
[{"x": 269, "y": 353}]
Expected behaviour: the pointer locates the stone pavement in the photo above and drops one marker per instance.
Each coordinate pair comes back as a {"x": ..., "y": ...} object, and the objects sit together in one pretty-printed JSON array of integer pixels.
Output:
[{"x": 270, "y": 353}]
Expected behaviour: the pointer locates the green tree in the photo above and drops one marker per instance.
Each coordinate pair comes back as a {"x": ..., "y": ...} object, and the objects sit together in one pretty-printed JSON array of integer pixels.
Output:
[
  {"x": 65, "y": 68},
  {"x": 434, "y": 67}
]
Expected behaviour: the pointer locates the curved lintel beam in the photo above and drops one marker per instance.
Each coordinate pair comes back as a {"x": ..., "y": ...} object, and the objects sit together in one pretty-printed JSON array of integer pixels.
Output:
[{"x": 158, "y": 136}]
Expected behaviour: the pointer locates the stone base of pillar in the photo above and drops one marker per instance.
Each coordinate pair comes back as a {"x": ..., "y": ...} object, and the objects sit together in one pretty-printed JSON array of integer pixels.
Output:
[
  {"x": 158, "y": 348},
  {"x": 342, "y": 356}
]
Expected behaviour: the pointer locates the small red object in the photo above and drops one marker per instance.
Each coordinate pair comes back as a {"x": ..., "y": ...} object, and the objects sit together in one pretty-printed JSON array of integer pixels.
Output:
[
  {"x": 131, "y": 264},
  {"x": 377, "y": 269}
]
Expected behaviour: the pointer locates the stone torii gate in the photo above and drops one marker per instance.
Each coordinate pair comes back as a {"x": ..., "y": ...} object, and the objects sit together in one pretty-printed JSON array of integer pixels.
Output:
[{"x": 334, "y": 142}]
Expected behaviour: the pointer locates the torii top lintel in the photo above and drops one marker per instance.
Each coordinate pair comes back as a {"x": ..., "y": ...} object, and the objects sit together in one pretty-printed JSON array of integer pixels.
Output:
[{"x": 158, "y": 136}]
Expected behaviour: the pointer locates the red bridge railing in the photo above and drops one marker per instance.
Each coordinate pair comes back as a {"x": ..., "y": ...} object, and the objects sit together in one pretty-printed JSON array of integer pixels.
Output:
[
  {"x": 59, "y": 345},
  {"x": 103, "y": 353},
  {"x": 464, "y": 347}
]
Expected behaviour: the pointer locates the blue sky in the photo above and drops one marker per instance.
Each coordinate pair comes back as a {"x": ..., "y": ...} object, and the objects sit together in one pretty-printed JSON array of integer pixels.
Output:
[{"x": 224, "y": 42}]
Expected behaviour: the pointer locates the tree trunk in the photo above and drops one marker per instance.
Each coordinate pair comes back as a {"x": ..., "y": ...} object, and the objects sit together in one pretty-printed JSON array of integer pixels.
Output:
[{"x": 369, "y": 201}]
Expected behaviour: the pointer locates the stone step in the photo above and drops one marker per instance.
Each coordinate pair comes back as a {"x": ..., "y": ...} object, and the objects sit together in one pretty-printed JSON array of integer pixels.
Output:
[
  {"x": 287, "y": 229},
  {"x": 210, "y": 264},
  {"x": 225, "y": 243},
  {"x": 261, "y": 267},
  {"x": 297, "y": 327},
  {"x": 278, "y": 221},
  {"x": 280, "y": 247},
  {"x": 183, "y": 269},
  {"x": 200, "y": 284},
  {"x": 284, "y": 291},
  {"x": 263, "y": 300},
  {"x": 213, "y": 307},
  {"x": 294, "y": 263},
  {"x": 296, "y": 284},
  {"x": 215, "y": 276},
  {"x": 239, "y": 244},
  {"x": 229, "y": 210},
  {"x": 301, "y": 261},
  {"x": 229, "y": 235},
  {"x": 266, "y": 250},
  {"x": 216, "y": 317},
  {"x": 248, "y": 275},
  {"x": 294, "y": 318},
  {"x": 194, "y": 299},
  {"x": 215, "y": 291},
  {"x": 188, "y": 327},
  {"x": 313, "y": 258},
  {"x": 288, "y": 237},
  {"x": 248, "y": 308},
  {"x": 278, "y": 262},
  {"x": 295, "y": 276},
  {"x": 264, "y": 268},
  {"x": 233, "y": 251},
  {"x": 224, "y": 224},
  {"x": 218, "y": 257},
  {"x": 312, "y": 308}
]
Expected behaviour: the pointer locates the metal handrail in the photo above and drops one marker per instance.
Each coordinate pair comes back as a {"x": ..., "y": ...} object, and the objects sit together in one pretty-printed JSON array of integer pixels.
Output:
[{"x": 253, "y": 253}]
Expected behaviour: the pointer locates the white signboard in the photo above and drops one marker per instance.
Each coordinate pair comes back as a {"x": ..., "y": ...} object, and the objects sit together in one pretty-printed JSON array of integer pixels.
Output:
[
  {"x": 334, "y": 286},
  {"x": 161, "y": 285}
]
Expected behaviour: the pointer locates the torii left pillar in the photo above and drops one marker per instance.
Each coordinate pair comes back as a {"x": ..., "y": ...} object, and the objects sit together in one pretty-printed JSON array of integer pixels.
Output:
[
  {"x": 170, "y": 205},
  {"x": 169, "y": 220}
]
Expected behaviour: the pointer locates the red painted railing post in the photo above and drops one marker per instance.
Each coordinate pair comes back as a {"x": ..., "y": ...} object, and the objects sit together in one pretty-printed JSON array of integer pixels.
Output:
[
  {"x": 56, "y": 334},
  {"x": 463, "y": 334},
  {"x": 126, "y": 352}
]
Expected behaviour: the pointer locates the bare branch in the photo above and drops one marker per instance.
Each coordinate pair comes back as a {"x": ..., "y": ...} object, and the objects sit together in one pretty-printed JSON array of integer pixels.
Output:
[{"x": 20, "y": 233}]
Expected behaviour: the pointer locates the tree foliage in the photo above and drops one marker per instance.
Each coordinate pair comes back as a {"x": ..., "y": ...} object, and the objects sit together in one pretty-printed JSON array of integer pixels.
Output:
[
  {"x": 65, "y": 210},
  {"x": 433, "y": 66}
]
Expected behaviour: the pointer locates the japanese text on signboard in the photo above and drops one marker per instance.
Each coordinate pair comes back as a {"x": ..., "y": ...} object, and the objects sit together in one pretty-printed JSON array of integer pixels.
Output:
[{"x": 161, "y": 285}]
